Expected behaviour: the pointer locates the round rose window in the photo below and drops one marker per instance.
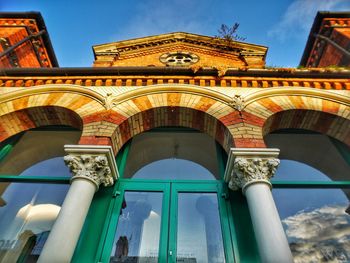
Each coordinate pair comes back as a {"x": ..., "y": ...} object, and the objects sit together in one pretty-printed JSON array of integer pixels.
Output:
[{"x": 179, "y": 59}]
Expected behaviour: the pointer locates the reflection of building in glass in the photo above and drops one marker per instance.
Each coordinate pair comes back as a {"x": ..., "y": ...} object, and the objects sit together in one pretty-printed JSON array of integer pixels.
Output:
[{"x": 194, "y": 123}]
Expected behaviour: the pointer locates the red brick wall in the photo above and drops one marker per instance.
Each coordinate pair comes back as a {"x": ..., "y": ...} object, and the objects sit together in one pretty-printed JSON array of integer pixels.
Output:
[
  {"x": 317, "y": 121},
  {"x": 29, "y": 118}
]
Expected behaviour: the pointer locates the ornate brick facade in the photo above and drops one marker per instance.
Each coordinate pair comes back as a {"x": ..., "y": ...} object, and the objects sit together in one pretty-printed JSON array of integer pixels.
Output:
[
  {"x": 329, "y": 41},
  {"x": 24, "y": 41},
  {"x": 223, "y": 93}
]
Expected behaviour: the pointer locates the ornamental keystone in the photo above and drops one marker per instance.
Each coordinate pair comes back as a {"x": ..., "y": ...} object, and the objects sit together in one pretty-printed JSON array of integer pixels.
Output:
[
  {"x": 247, "y": 166},
  {"x": 93, "y": 163}
]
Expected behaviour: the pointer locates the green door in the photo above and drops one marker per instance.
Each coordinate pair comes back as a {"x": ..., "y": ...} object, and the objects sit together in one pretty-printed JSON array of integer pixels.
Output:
[{"x": 168, "y": 221}]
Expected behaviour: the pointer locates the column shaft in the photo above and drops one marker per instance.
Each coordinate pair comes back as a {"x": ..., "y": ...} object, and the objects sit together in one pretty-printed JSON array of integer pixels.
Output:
[
  {"x": 272, "y": 242},
  {"x": 64, "y": 235}
]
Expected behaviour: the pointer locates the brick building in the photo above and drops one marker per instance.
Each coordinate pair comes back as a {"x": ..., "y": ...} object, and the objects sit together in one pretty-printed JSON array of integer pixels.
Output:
[
  {"x": 172, "y": 142},
  {"x": 329, "y": 41},
  {"x": 25, "y": 42}
]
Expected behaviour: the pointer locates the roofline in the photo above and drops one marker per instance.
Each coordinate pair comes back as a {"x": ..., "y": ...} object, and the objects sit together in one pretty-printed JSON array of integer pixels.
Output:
[
  {"x": 167, "y": 71},
  {"x": 316, "y": 28},
  {"x": 41, "y": 25},
  {"x": 179, "y": 34}
]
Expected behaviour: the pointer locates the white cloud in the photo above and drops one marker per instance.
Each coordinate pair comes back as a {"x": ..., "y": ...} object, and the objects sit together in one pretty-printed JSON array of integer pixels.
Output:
[
  {"x": 152, "y": 17},
  {"x": 299, "y": 16},
  {"x": 321, "y": 235}
]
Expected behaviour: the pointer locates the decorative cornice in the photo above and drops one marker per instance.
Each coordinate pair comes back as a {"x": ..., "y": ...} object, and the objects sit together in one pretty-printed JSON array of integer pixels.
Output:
[
  {"x": 248, "y": 166},
  {"x": 92, "y": 163},
  {"x": 338, "y": 82},
  {"x": 134, "y": 45}
]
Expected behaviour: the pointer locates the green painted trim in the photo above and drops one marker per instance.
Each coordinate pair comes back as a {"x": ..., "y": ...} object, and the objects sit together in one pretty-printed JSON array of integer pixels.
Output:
[
  {"x": 168, "y": 181},
  {"x": 90, "y": 244},
  {"x": 242, "y": 232},
  {"x": 5, "y": 151},
  {"x": 34, "y": 179},
  {"x": 342, "y": 148},
  {"x": 122, "y": 158},
  {"x": 221, "y": 160},
  {"x": 229, "y": 246},
  {"x": 87, "y": 246},
  {"x": 311, "y": 184},
  {"x": 107, "y": 243}
]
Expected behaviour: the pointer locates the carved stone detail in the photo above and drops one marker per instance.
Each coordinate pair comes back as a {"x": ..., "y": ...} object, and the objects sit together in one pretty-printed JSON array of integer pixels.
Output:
[
  {"x": 252, "y": 170},
  {"x": 238, "y": 102},
  {"x": 91, "y": 167},
  {"x": 108, "y": 101}
]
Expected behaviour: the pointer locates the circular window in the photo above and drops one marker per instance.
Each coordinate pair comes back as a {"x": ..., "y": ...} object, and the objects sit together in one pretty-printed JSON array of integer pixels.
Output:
[{"x": 179, "y": 59}]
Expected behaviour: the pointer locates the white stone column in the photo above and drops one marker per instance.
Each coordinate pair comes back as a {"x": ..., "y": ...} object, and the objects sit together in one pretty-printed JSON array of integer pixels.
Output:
[
  {"x": 91, "y": 166},
  {"x": 251, "y": 170}
]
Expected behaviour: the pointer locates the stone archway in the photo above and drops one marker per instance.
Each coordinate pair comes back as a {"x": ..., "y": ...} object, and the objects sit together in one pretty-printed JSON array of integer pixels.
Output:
[
  {"x": 255, "y": 116},
  {"x": 172, "y": 116},
  {"x": 38, "y": 145}
]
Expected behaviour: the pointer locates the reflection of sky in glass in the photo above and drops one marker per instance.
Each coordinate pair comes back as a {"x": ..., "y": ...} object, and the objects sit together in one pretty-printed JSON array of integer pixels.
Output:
[
  {"x": 50, "y": 167},
  {"x": 32, "y": 208},
  {"x": 315, "y": 220},
  {"x": 138, "y": 230},
  {"x": 29, "y": 206},
  {"x": 199, "y": 234},
  {"x": 171, "y": 169},
  {"x": 291, "y": 201},
  {"x": 289, "y": 170}
]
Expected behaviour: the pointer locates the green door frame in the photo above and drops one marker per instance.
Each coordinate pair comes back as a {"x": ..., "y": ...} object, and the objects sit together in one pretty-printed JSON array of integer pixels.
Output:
[
  {"x": 168, "y": 232},
  {"x": 238, "y": 237}
]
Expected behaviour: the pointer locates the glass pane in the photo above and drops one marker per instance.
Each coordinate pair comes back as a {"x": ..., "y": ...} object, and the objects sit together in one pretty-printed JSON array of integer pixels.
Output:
[
  {"x": 138, "y": 231},
  {"x": 309, "y": 150},
  {"x": 199, "y": 237},
  {"x": 316, "y": 222},
  {"x": 172, "y": 155},
  {"x": 52, "y": 167},
  {"x": 171, "y": 169},
  {"x": 289, "y": 170},
  {"x": 27, "y": 214},
  {"x": 32, "y": 148}
]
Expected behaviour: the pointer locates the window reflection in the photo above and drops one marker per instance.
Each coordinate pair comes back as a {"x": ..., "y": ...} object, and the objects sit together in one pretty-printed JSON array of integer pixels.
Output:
[
  {"x": 33, "y": 147},
  {"x": 27, "y": 214},
  {"x": 138, "y": 231},
  {"x": 51, "y": 167},
  {"x": 289, "y": 170},
  {"x": 199, "y": 237},
  {"x": 165, "y": 152},
  {"x": 172, "y": 169},
  {"x": 316, "y": 223}
]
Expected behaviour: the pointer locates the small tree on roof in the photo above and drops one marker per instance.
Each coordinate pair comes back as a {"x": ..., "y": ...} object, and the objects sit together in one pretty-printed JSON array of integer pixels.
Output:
[{"x": 228, "y": 34}]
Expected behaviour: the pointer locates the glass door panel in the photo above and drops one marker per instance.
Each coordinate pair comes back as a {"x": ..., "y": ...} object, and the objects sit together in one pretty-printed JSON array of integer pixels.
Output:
[
  {"x": 138, "y": 232},
  {"x": 199, "y": 237},
  {"x": 167, "y": 222}
]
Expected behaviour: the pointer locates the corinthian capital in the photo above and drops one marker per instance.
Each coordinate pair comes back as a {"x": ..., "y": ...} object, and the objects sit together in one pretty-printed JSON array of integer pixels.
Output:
[
  {"x": 248, "y": 166},
  {"x": 93, "y": 163}
]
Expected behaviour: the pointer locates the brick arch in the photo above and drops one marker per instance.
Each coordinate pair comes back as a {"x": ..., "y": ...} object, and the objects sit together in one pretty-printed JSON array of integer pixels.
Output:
[
  {"x": 171, "y": 116},
  {"x": 68, "y": 97},
  {"x": 322, "y": 122},
  {"x": 255, "y": 115},
  {"x": 100, "y": 127},
  {"x": 34, "y": 117}
]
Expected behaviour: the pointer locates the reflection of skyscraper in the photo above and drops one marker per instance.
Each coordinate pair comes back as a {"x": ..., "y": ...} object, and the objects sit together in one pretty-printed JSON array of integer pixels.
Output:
[{"x": 122, "y": 247}]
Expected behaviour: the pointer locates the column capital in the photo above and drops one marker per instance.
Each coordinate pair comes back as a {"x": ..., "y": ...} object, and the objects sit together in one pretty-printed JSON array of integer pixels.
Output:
[
  {"x": 246, "y": 166},
  {"x": 94, "y": 163}
]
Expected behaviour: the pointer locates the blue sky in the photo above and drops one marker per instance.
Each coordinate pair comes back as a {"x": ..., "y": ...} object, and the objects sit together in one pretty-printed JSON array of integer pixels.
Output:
[{"x": 75, "y": 26}]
